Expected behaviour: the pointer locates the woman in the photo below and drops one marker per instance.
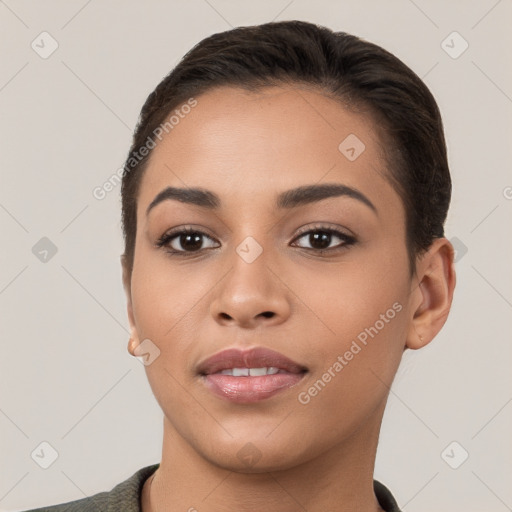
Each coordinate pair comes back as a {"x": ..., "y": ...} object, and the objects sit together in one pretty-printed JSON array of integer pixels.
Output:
[{"x": 283, "y": 205}]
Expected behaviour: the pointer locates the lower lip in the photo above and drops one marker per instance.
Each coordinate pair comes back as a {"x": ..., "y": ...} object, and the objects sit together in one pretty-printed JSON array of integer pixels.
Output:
[{"x": 247, "y": 390}]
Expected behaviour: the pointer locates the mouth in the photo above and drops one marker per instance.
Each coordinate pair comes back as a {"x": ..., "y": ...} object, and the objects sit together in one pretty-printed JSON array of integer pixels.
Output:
[{"x": 246, "y": 376}]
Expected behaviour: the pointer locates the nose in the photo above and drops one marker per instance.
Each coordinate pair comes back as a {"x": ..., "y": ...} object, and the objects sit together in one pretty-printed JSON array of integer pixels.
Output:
[{"x": 251, "y": 295}]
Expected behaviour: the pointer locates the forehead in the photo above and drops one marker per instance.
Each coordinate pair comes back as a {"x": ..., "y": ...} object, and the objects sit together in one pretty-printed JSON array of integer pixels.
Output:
[{"x": 245, "y": 144}]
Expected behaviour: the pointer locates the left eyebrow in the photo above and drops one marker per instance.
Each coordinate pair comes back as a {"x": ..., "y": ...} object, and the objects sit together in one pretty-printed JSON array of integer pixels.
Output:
[
  {"x": 312, "y": 193},
  {"x": 292, "y": 198}
]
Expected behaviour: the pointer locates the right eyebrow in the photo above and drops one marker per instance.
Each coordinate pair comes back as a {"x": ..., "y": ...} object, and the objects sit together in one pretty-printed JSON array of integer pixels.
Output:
[{"x": 196, "y": 196}]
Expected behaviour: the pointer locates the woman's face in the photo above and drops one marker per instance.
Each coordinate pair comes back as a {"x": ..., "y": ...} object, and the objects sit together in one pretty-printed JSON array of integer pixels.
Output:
[{"x": 263, "y": 270}]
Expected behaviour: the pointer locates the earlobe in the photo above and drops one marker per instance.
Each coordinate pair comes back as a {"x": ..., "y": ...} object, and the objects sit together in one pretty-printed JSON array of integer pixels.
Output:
[
  {"x": 133, "y": 343},
  {"x": 134, "y": 338},
  {"x": 433, "y": 293}
]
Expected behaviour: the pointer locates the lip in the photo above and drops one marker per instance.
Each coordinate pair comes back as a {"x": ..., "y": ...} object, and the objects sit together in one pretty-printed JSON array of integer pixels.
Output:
[
  {"x": 257, "y": 357},
  {"x": 249, "y": 389}
]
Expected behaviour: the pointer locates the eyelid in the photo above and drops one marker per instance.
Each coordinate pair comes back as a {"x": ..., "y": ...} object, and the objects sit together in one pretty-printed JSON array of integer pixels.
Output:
[
  {"x": 175, "y": 232},
  {"x": 338, "y": 231},
  {"x": 347, "y": 240},
  {"x": 325, "y": 226}
]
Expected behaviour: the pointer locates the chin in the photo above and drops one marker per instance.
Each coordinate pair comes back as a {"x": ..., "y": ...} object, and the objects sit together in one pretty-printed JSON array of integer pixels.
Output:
[
  {"x": 256, "y": 454},
  {"x": 268, "y": 463}
]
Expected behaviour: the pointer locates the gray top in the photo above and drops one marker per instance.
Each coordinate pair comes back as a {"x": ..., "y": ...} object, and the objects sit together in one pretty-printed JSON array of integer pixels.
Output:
[{"x": 125, "y": 497}]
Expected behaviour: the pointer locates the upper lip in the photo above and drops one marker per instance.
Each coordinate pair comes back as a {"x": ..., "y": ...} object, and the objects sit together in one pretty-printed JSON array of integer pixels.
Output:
[{"x": 258, "y": 357}]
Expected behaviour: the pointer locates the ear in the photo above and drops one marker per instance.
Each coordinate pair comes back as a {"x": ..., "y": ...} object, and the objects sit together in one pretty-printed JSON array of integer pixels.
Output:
[
  {"x": 127, "y": 277},
  {"x": 432, "y": 293}
]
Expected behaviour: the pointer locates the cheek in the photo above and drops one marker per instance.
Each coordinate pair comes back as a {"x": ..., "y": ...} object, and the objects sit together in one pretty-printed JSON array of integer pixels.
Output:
[
  {"x": 355, "y": 365},
  {"x": 163, "y": 304},
  {"x": 347, "y": 298},
  {"x": 364, "y": 320},
  {"x": 163, "y": 294},
  {"x": 171, "y": 308}
]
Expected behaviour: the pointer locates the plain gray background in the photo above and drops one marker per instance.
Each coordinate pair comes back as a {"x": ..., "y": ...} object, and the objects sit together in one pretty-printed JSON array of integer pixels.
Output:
[{"x": 66, "y": 377}]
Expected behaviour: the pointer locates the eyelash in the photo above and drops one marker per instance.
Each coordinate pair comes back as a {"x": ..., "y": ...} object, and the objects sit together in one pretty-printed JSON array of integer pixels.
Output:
[{"x": 166, "y": 238}]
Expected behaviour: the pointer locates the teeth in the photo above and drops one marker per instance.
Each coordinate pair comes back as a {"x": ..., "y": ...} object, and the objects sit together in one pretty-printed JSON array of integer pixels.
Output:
[
  {"x": 252, "y": 372},
  {"x": 257, "y": 372},
  {"x": 240, "y": 372}
]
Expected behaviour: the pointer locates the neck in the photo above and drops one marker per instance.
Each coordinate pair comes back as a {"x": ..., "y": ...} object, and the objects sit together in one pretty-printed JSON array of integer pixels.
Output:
[{"x": 339, "y": 479}]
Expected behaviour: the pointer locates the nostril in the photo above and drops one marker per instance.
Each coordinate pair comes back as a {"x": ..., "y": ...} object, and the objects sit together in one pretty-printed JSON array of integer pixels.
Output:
[{"x": 268, "y": 314}]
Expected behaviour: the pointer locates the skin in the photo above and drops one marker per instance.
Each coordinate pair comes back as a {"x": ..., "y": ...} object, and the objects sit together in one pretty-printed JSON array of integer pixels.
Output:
[{"x": 247, "y": 148}]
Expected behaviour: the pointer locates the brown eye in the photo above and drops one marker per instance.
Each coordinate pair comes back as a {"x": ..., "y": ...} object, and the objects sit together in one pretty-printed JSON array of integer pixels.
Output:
[
  {"x": 189, "y": 241},
  {"x": 320, "y": 239},
  {"x": 184, "y": 241}
]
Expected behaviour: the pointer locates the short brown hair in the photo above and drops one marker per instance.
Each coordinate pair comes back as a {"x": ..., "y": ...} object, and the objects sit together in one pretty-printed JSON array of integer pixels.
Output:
[{"x": 342, "y": 66}]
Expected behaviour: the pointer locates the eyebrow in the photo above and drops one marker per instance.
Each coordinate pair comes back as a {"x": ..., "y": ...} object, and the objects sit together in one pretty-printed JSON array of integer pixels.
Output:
[{"x": 293, "y": 198}]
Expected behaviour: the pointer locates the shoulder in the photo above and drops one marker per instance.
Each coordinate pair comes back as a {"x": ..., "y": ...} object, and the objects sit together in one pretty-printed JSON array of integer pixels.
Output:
[
  {"x": 384, "y": 497},
  {"x": 124, "y": 496}
]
